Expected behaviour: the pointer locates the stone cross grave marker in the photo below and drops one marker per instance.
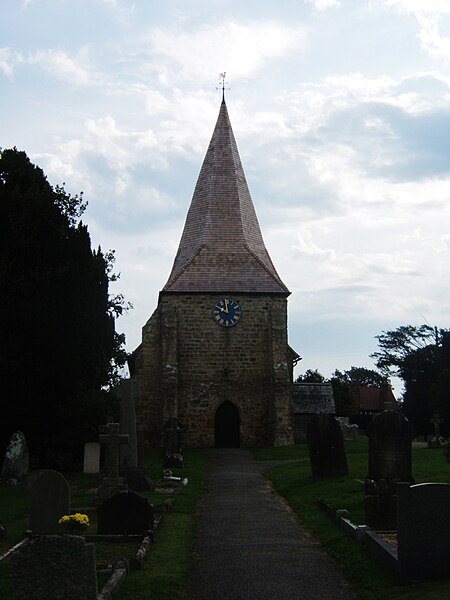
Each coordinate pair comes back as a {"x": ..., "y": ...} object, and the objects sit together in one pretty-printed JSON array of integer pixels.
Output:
[
  {"x": 49, "y": 501},
  {"x": 91, "y": 462},
  {"x": 112, "y": 440},
  {"x": 436, "y": 421},
  {"x": 16, "y": 461},
  {"x": 390, "y": 441},
  {"x": 128, "y": 452},
  {"x": 326, "y": 447},
  {"x": 54, "y": 566},
  {"x": 125, "y": 513}
]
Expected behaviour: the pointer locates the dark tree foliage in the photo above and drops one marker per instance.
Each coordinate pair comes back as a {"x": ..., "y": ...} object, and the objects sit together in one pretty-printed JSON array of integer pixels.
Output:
[
  {"x": 396, "y": 345},
  {"x": 361, "y": 376},
  {"x": 421, "y": 357},
  {"x": 59, "y": 349},
  {"x": 310, "y": 376}
]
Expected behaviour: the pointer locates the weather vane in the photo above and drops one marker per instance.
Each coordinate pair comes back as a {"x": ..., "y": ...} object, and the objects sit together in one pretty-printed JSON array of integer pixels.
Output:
[{"x": 222, "y": 85}]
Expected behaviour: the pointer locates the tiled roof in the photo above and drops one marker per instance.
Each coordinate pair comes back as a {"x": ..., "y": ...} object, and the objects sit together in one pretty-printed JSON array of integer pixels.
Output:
[{"x": 221, "y": 248}]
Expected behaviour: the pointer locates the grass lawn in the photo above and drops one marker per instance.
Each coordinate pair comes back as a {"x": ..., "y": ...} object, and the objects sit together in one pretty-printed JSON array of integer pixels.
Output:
[
  {"x": 166, "y": 567},
  {"x": 294, "y": 482}
]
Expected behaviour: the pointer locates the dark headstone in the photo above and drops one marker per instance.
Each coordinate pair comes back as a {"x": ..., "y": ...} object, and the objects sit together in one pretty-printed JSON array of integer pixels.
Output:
[
  {"x": 140, "y": 447},
  {"x": 125, "y": 513},
  {"x": 49, "y": 501},
  {"x": 111, "y": 440},
  {"x": 173, "y": 458},
  {"x": 423, "y": 530},
  {"x": 128, "y": 452},
  {"x": 55, "y": 567},
  {"x": 16, "y": 461},
  {"x": 326, "y": 447},
  {"x": 172, "y": 436},
  {"x": 390, "y": 441}
]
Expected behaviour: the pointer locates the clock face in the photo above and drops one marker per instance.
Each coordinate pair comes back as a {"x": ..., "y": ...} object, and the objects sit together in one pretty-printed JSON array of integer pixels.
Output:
[{"x": 226, "y": 312}]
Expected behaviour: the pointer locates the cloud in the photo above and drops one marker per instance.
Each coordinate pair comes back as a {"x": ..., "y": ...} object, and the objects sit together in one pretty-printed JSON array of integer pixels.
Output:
[
  {"x": 242, "y": 49},
  {"x": 6, "y": 62},
  {"x": 59, "y": 64},
  {"x": 419, "y": 6},
  {"x": 324, "y": 4},
  {"x": 304, "y": 246},
  {"x": 435, "y": 44},
  {"x": 429, "y": 15}
]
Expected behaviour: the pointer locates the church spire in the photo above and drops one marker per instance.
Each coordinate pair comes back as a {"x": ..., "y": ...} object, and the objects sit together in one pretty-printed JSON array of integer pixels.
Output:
[{"x": 221, "y": 248}]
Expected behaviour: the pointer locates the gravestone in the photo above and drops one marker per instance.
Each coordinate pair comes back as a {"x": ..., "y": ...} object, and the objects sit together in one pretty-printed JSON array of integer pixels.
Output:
[
  {"x": 112, "y": 440},
  {"x": 133, "y": 475},
  {"x": 349, "y": 431},
  {"x": 140, "y": 447},
  {"x": 436, "y": 441},
  {"x": 326, "y": 447},
  {"x": 49, "y": 501},
  {"x": 173, "y": 457},
  {"x": 390, "y": 441},
  {"x": 16, "y": 461},
  {"x": 55, "y": 567},
  {"x": 128, "y": 452},
  {"x": 423, "y": 515},
  {"x": 125, "y": 513},
  {"x": 91, "y": 463}
]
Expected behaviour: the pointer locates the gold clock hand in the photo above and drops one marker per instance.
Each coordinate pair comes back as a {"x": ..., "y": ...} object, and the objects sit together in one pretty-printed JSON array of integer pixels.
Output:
[{"x": 226, "y": 306}]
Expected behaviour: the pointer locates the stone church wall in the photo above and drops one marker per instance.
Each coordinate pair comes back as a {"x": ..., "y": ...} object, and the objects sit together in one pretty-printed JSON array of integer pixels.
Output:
[{"x": 187, "y": 365}]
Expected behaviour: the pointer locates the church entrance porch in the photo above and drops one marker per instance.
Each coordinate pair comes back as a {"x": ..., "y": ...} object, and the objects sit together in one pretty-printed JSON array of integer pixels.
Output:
[{"x": 227, "y": 426}]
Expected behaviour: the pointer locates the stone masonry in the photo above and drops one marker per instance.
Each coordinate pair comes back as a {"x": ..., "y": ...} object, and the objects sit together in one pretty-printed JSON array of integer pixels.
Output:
[{"x": 202, "y": 364}]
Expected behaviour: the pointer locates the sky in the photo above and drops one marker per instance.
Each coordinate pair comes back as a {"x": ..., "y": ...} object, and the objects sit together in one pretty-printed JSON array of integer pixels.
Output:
[{"x": 341, "y": 111}]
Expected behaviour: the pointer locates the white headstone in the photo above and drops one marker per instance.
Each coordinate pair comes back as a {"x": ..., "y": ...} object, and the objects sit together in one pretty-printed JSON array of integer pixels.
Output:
[{"x": 91, "y": 462}]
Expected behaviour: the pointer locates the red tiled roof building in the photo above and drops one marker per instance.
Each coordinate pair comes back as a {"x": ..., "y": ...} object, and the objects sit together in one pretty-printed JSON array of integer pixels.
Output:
[{"x": 214, "y": 354}]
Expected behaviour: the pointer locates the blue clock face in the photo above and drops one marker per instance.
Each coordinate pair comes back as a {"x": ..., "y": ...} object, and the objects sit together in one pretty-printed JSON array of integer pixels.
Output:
[{"x": 226, "y": 312}]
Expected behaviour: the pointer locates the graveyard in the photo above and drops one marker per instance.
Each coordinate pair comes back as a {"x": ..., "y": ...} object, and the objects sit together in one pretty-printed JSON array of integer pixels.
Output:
[
  {"x": 165, "y": 565},
  {"x": 164, "y": 568}
]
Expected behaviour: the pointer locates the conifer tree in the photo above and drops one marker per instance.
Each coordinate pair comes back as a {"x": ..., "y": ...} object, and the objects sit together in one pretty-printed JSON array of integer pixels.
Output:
[{"x": 59, "y": 351}]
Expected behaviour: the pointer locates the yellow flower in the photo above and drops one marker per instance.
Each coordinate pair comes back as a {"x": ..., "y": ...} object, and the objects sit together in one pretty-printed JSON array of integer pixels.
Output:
[{"x": 74, "y": 523}]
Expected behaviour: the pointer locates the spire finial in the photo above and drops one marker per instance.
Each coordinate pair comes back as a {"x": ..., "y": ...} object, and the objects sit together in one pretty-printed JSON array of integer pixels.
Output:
[{"x": 222, "y": 85}]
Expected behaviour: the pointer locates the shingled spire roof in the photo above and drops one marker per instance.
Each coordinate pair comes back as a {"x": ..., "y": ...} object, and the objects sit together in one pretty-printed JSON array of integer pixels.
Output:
[{"x": 222, "y": 249}]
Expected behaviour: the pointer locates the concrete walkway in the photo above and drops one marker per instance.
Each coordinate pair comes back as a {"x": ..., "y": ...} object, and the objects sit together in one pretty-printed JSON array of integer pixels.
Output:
[{"x": 250, "y": 546}]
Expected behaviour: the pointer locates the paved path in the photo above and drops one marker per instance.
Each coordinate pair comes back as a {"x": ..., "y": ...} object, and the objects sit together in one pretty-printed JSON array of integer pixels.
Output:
[{"x": 249, "y": 544}]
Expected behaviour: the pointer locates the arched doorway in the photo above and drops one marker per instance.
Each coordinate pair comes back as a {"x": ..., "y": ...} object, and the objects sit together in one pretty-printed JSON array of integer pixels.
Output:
[{"x": 226, "y": 426}]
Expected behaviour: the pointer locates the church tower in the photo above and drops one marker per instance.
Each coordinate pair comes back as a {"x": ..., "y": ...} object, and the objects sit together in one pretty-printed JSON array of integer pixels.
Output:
[{"x": 214, "y": 354}]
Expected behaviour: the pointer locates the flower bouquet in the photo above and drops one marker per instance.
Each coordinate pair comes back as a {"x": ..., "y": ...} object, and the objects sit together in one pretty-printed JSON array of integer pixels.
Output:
[{"x": 74, "y": 524}]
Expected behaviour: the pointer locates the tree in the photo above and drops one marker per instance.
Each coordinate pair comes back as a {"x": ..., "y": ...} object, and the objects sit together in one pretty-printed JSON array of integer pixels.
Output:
[
  {"x": 310, "y": 376},
  {"x": 421, "y": 357},
  {"x": 59, "y": 351},
  {"x": 398, "y": 344},
  {"x": 361, "y": 376}
]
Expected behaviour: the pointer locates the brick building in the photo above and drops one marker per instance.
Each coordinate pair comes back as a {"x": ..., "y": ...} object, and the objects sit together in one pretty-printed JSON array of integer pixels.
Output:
[{"x": 215, "y": 354}]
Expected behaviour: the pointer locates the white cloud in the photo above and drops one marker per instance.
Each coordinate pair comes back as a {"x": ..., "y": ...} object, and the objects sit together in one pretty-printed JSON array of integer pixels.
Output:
[
  {"x": 241, "y": 49},
  {"x": 432, "y": 41},
  {"x": 304, "y": 245},
  {"x": 59, "y": 64},
  {"x": 419, "y": 6},
  {"x": 6, "y": 63},
  {"x": 324, "y": 4}
]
